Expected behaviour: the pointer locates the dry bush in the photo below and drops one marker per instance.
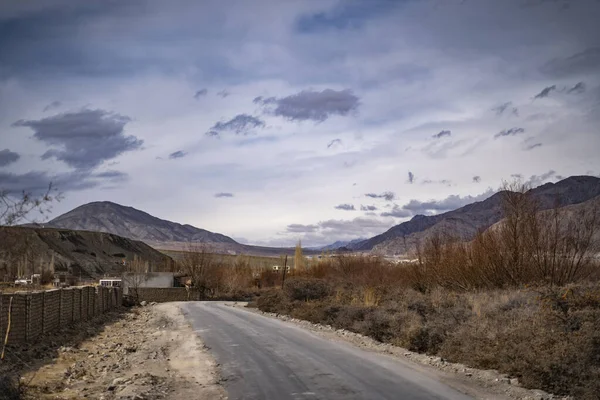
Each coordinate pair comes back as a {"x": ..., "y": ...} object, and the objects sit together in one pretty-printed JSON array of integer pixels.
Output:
[
  {"x": 306, "y": 289},
  {"x": 548, "y": 338},
  {"x": 553, "y": 247},
  {"x": 274, "y": 301}
]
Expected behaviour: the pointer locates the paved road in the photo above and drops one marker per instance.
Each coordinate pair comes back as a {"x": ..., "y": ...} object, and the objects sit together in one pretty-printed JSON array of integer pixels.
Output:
[{"x": 265, "y": 358}]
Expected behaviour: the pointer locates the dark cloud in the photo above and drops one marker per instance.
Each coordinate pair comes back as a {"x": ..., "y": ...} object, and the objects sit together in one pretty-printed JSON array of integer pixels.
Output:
[
  {"x": 111, "y": 175},
  {"x": 345, "y": 207},
  {"x": 577, "y": 89},
  {"x": 509, "y": 132},
  {"x": 311, "y": 105},
  {"x": 545, "y": 92},
  {"x": 177, "y": 154},
  {"x": 223, "y": 93},
  {"x": 8, "y": 157},
  {"x": 503, "y": 107},
  {"x": 368, "y": 208},
  {"x": 37, "y": 181},
  {"x": 299, "y": 228},
  {"x": 476, "y": 179},
  {"x": 223, "y": 194},
  {"x": 537, "y": 180},
  {"x": 54, "y": 105},
  {"x": 334, "y": 142},
  {"x": 240, "y": 124},
  {"x": 517, "y": 176},
  {"x": 389, "y": 196},
  {"x": 451, "y": 202},
  {"x": 441, "y": 134},
  {"x": 397, "y": 212},
  {"x": 532, "y": 146},
  {"x": 83, "y": 139},
  {"x": 200, "y": 93},
  {"x": 411, "y": 177},
  {"x": 585, "y": 62},
  {"x": 356, "y": 227}
]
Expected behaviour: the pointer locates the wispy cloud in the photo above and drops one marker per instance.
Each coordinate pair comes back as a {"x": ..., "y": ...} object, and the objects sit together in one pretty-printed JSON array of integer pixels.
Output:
[
  {"x": 389, "y": 196},
  {"x": 505, "y": 106},
  {"x": 52, "y": 106},
  {"x": 223, "y": 194},
  {"x": 577, "y": 89},
  {"x": 334, "y": 142},
  {"x": 200, "y": 93},
  {"x": 177, "y": 154},
  {"x": 451, "y": 202},
  {"x": 537, "y": 180},
  {"x": 532, "y": 146},
  {"x": 441, "y": 134},
  {"x": 411, "y": 177},
  {"x": 311, "y": 105},
  {"x": 240, "y": 124},
  {"x": 345, "y": 207},
  {"x": 368, "y": 208},
  {"x": 476, "y": 179},
  {"x": 397, "y": 212},
  {"x": 545, "y": 92},
  {"x": 509, "y": 132}
]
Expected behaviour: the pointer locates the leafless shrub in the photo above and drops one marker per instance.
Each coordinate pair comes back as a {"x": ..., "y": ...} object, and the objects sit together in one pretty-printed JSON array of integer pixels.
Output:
[{"x": 15, "y": 208}]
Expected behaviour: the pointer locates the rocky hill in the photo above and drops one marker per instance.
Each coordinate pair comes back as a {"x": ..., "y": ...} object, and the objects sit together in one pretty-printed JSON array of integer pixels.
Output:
[
  {"x": 105, "y": 216},
  {"x": 466, "y": 221},
  {"x": 85, "y": 254}
]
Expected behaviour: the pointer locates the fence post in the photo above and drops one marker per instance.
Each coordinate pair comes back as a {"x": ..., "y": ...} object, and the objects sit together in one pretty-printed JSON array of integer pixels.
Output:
[
  {"x": 43, "y": 311},
  {"x": 27, "y": 317},
  {"x": 60, "y": 304}
]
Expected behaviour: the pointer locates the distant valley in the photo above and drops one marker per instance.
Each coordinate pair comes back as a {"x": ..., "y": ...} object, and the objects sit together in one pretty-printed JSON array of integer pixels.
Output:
[{"x": 400, "y": 239}]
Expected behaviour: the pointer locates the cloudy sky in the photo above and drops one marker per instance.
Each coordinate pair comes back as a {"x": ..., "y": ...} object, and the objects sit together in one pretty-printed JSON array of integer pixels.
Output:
[{"x": 275, "y": 120}]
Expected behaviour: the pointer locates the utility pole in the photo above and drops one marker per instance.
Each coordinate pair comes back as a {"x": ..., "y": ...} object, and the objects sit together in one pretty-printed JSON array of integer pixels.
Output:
[{"x": 284, "y": 271}]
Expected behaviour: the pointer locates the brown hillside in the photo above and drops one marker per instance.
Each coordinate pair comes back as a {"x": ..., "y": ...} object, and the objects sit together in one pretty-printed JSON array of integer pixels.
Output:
[{"x": 85, "y": 254}]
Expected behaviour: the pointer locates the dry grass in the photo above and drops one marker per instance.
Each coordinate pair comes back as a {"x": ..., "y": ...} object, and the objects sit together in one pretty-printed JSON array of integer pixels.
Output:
[{"x": 547, "y": 337}]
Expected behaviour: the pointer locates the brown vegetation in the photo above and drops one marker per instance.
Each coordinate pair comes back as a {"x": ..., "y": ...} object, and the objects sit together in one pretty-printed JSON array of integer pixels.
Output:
[{"x": 522, "y": 298}]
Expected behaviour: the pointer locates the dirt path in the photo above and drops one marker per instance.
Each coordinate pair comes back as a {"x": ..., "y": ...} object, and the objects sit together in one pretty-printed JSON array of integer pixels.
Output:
[{"x": 151, "y": 353}]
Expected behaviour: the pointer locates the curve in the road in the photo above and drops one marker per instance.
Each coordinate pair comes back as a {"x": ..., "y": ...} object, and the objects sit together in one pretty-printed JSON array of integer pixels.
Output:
[{"x": 265, "y": 358}]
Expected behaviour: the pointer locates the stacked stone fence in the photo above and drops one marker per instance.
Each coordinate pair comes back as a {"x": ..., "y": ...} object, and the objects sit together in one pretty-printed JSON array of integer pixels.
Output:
[
  {"x": 35, "y": 313},
  {"x": 162, "y": 295}
]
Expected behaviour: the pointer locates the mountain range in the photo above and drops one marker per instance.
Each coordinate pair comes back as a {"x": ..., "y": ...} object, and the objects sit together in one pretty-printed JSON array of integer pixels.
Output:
[
  {"x": 131, "y": 223},
  {"x": 463, "y": 223},
  {"x": 466, "y": 221}
]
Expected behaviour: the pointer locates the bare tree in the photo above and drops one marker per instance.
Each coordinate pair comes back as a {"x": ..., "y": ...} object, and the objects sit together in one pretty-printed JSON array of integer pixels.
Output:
[
  {"x": 136, "y": 273},
  {"x": 201, "y": 265},
  {"x": 299, "y": 261},
  {"x": 16, "y": 208}
]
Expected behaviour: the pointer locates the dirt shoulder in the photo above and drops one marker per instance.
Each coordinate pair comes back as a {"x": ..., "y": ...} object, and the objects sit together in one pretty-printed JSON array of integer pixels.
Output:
[{"x": 150, "y": 353}]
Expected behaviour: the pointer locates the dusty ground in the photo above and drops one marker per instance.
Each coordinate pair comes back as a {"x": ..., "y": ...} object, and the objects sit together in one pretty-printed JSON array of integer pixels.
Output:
[{"x": 150, "y": 353}]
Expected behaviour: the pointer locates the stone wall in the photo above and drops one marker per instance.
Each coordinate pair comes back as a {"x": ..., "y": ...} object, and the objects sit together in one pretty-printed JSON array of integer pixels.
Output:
[
  {"x": 161, "y": 295},
  {"x": 35, "y": 313}
]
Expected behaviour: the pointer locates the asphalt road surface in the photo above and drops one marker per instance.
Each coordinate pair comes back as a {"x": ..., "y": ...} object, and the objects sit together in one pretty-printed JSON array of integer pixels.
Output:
[{"x": 265, "y": 358}]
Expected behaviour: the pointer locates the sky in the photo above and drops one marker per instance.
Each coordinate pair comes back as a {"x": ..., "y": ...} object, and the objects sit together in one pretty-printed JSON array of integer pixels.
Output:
[{"x": 272, "y": 121}]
